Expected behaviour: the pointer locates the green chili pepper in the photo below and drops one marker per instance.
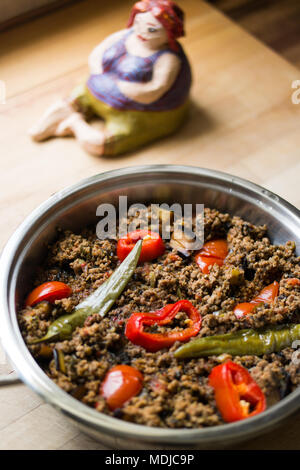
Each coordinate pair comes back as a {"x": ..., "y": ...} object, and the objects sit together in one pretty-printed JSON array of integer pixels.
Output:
[
  {"x": 99, "y": 301},
  {"x": 243, "y": 342}
]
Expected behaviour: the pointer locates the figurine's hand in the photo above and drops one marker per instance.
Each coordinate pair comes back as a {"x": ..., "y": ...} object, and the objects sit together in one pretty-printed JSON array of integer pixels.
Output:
[
  {"x": 144, "y": 93},
  {"x": 131, "y": 89},
  {"x": 95, "y": 64},
  {"x": 96, "y": 70}
]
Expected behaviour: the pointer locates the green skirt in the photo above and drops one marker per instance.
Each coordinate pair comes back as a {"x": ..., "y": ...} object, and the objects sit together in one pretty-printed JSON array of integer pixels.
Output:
[{"x": 128, "y": 130}]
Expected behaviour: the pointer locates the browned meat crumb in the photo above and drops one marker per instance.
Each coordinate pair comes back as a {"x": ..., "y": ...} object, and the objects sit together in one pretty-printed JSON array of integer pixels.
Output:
[{"x": 176, "y": 392}]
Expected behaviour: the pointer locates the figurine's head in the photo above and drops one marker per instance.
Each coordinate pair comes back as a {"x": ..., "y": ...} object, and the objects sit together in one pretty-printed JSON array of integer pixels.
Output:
[{"x": 157, "y": 22}]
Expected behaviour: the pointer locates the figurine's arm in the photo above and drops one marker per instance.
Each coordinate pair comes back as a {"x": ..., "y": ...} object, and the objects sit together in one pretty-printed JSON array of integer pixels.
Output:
[
  {"x": 95, "y": 58},
  {"x": 165, "y": 72}
]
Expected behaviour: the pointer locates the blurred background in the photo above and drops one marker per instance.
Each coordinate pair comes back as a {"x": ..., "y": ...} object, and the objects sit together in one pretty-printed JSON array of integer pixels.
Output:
[{"x": 275, "y": 22}]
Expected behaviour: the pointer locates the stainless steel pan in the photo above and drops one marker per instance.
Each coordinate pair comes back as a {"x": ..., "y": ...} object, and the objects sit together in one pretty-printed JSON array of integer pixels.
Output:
[{"x": 76, "y": 206}]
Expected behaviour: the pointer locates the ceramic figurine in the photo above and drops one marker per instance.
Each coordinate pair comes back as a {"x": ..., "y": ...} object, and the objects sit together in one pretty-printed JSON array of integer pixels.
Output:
[{"x": 139, "y": 85}]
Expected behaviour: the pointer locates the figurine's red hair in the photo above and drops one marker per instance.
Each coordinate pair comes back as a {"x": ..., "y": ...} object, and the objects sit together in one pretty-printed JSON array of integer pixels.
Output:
[{"x": 167, "y": 13}]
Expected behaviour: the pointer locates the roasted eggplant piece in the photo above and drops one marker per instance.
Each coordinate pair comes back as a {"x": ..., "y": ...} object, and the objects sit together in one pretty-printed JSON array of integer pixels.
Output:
[{"x": 59, "y": 360}]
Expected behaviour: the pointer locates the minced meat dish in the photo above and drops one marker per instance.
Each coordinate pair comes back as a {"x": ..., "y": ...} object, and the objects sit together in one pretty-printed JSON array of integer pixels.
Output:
[{"x": 238, "y": 281}]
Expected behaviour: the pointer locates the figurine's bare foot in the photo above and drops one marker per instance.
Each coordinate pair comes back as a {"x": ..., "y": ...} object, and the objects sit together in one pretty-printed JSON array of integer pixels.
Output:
[
  {"x": 46, "y": 126},
  {"x": 91, "y": 139}
]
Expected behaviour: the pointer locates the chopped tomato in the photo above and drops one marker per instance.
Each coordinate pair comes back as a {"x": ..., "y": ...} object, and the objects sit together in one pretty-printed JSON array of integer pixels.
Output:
[
  {"x": 204, "y": 262},
  {"x": 266, "y": 296},
  {"x": 152, "y": 247},
  {"x": 212, "y": 252},
  {"x": 49, "y": 291},
  {"x": 243, "y": 309},
  {"x": 120, "y": 384},
  {"x": 293, "y": 281},
  {"x": 215, "y": 248}
]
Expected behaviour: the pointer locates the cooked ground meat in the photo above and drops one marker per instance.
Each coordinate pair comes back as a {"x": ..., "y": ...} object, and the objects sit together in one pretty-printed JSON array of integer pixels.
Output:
[{"x": 175, "y": 392}]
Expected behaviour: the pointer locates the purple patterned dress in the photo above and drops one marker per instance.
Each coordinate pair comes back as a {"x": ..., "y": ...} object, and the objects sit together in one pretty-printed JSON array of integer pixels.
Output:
[{"x": 118, "y": 64}]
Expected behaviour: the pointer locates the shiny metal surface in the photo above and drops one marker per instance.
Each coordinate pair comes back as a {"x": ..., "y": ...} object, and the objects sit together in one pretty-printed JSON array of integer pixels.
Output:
[{"x": 76, "y": 206}]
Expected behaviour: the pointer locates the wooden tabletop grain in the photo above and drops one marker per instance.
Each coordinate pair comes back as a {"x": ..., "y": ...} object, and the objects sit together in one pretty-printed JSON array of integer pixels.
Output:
[{"x": 242, "y": 121}]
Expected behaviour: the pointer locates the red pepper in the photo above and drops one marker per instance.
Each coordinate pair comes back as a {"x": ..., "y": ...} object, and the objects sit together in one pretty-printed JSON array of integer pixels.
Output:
[
  {"x": 120, "y": 384},
  {"x": 50, "y": 291},
  {"x": 156, "y": 341},
  {"x": 236, "y": 393},
  {"x": 152, "y": 247},
  {"x": 266, "y": 296},
  {"x": 212, "y": 252}
]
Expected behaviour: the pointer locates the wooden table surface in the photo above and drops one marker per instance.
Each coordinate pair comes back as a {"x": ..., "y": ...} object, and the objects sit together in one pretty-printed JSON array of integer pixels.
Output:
[{"x": 242, "y": 122}]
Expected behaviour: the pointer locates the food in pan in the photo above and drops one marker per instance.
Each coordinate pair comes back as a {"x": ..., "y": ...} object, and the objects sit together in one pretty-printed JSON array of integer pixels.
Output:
[{"x": 151, "y": 332}]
